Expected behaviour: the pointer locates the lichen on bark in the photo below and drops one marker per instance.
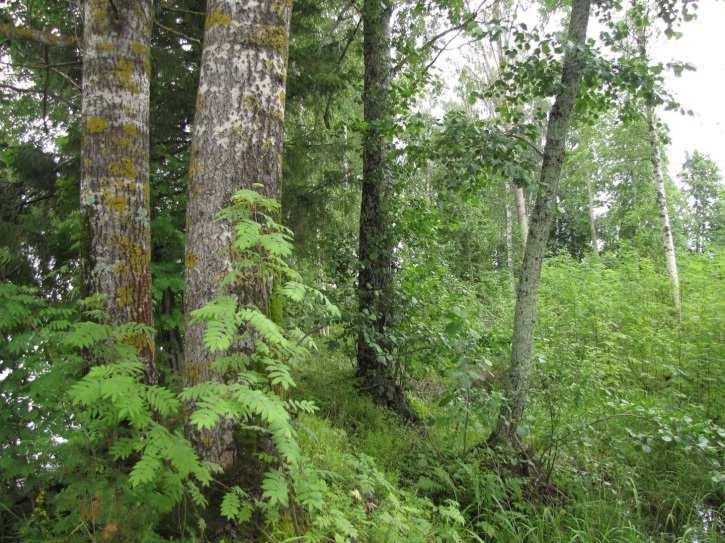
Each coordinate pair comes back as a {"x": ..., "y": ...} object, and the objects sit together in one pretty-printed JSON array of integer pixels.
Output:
[
  {"x": 236, "y": 143},
  {"x": 114, "y": 167}
]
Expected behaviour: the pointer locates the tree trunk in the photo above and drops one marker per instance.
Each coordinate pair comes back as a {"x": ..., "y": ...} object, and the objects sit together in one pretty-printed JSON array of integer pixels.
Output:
[
  {"x": 517, "y": 384},
  {"x": 509, "y": 238},
  {"x": 376, "y": 367},
  {"x": 521, "y": 213},
  {"x": 667, "y": 240},
  {"x": 654, "y": 141},
  {"x": 592, "y": 218},
  {"x": 236, "y": 143},
  {"x": 116, "y": 245}
]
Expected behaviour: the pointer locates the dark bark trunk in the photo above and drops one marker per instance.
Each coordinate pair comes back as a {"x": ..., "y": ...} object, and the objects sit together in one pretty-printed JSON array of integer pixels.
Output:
[
  {"x": 116, "y": 248},
  {"x": 378, "y": 372},
  {"x": 527, "y": 292}
]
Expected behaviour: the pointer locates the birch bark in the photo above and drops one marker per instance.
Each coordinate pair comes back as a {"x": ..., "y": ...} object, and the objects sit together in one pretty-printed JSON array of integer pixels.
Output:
[
  {"x": 521, "y": 213},
  {"x": 592, "y": 217},
  {"x": 668, "y": 243}
]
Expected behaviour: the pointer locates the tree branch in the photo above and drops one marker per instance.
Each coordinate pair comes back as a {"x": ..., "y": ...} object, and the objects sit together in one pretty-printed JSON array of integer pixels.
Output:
[{"x": 21, "y": 33}]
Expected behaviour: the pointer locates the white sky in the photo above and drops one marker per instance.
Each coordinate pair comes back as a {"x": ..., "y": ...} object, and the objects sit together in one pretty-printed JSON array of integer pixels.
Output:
[{"x": 702, "y": 91}]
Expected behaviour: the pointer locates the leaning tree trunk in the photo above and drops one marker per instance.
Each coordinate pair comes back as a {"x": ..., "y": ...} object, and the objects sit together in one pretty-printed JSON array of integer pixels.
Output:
[
  {"x": 517, "y": 383},
  {"x": 376, "y": 368},
  {"x": 236, "y": 143},
  {"x": 522, "y": 214},
  {"x": 592, "y": 217},
  {"x": 667, "y": 240},
  {"x": 654, "y": 142},
  {"x": 116, "y": 248},
  {"x": 508, "y": 236}
]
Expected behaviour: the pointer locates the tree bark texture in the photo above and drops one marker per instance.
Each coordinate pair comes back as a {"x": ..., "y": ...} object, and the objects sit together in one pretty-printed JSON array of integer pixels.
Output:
[
  {"x": 527, "y": 292},
  {"x": 668, "y": 243},
  {"x": 521, "y": 213},
  {"x": 116, "y": 245},
  {"x": 376, "y": 368},
  {"x": 592, "y": 217},
  {"x": 508, "y": 233},
  {"x": 237, "y": 143}
]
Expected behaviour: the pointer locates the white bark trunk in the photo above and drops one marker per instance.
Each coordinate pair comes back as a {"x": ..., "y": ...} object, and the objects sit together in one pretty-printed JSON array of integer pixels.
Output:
[
  {"x": 592, "y": 218},
  {"x": 667, "y": 239},
  {"x": 509, "y": 240},
  {"x": 522, "y": 215}
]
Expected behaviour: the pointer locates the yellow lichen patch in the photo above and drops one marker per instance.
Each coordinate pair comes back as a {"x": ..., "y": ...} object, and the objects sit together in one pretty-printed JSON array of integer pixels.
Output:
[
  {"x": 139, "y": 48},
  {"x": 276, "y": 114},
  {"x": 124, "y": 143},
  {"x": 217, "y": 18},
  {"x": 273, "y": 36},
  {"x": 130, "y": 129},
  {"x": 105, "y": 47},
  {"x": 140, "y": 341},
  {"x": 251, "y": 102},
  {"x": 124, "y": 296},
  {"x": 122, "y": 168},
  {"x": 190, "y": 260},
  {"x": 124, "y": 72},
  {"x": 116, "y": 202},
  {"x": 194, "y": 168},
  {"x": 96, "y": 125},
  {"x": 282, "y": 96},
  {"x": 282, "y": 8},
  {"x": 191, "y": 375},
  {"x": 134, "y": 254}
]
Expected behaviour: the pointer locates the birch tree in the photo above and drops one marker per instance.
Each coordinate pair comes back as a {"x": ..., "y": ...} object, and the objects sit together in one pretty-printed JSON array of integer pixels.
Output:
[
  {"x": 517, "y": 383},
  {"x": 236, "y": 143},
  {"x": 653, "y": 137},
  {"x": 521, "y": 213},
  {"x": 594, "y": 241}
]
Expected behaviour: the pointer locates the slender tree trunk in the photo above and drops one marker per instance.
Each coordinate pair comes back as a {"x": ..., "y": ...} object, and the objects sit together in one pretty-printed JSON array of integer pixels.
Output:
[
  {"x": 667, "y": 239},
  {"x": 376, "y": 368},
  {"x": 517, "y": 384},
  {"x": 659, "y": 182},
  {"x": 509, "y": 235},
  {"x": 116, "y": 248},
  {"x": 521, "y": 213},
  {"x": 592, "y": 218}
]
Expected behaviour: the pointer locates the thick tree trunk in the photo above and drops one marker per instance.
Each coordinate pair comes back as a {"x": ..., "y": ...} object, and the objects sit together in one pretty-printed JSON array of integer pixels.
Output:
[
  {"x": 668, "y": 243},
  {"x": 116, "y": 249},
  {"x": 376, "y": 367},
  {"x": 517, "y": 384},
  {"x": 592, "y": 217},
  {"x": 521, "y": 213},
  {"x": 236, "y": 143}
]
